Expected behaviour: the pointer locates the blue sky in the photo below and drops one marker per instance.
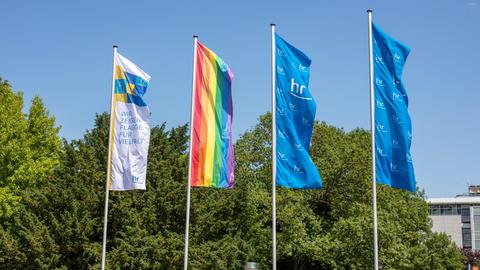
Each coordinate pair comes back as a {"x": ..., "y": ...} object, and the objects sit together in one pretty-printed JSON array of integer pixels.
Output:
[{"x": 62, "y": 51}]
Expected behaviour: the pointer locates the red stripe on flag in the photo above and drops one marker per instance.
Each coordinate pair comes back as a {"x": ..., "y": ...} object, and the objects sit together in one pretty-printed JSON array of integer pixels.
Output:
[{"x": 197, "y": 121}]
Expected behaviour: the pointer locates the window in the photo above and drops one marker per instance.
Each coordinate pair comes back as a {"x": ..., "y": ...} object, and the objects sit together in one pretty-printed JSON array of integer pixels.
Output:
[
  {"x": 434, "y": 210},
  {"x": 465, "y": 214},
  {"x": 444, "y": 210},
  {"x": 476, "y": 226},
  {"x": 466, "y": 238}
]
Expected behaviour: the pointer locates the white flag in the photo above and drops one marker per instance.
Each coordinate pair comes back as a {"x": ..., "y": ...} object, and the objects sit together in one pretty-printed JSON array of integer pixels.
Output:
[{"x": 130, "y": 129}]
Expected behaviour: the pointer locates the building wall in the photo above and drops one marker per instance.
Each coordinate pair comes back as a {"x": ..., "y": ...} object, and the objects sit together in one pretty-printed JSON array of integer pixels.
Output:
[{"x": 451, "y": 225}]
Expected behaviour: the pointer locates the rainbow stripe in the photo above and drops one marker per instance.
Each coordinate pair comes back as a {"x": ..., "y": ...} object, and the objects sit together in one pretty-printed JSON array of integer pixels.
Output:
[{"x": 212, "y": 150}]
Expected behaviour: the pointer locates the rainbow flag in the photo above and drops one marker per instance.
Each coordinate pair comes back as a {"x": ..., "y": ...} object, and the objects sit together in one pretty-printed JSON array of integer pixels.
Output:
[{"x": 212, "y": 162}]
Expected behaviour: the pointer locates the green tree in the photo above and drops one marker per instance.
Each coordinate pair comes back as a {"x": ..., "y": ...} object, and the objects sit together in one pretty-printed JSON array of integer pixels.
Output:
[
  {"x": 331, "y": 228},
  {"x": 59, "y": 224},
  {"x": 29, "y": 147},
  {"x": 67, "y": 210}
]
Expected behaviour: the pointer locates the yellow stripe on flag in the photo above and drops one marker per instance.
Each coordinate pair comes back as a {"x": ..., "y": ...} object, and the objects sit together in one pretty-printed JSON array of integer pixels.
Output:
[
  {"x": 119, "y": 73},
  {"x": 212, "y": 87}
]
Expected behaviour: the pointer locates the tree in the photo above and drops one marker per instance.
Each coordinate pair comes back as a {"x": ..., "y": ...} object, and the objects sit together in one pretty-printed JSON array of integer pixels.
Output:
[
  {"x": 29, "y": 147},
  {"x": 59, "y": 224},
  {"x": 332, "y": 228},
  {"x": 473, "y": 256}
]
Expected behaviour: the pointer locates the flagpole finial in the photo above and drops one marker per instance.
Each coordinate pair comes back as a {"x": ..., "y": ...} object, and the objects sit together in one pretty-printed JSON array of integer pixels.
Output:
[
  {"x": 115, "y": 46},
  {"x": 369, "y": 11},
  {"x": 195, "y": 36},
  {"x": 272, "y": 24}
]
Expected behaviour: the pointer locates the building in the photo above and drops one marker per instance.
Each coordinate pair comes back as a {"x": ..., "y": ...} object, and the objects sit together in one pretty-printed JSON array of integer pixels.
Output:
[{"x": 458, "y": 217}]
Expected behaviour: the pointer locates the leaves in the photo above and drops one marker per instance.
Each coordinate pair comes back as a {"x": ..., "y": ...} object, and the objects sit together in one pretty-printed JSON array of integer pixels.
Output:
[
  {"x": 29, "y": 147},
  {"x": 52, "y": 199}
]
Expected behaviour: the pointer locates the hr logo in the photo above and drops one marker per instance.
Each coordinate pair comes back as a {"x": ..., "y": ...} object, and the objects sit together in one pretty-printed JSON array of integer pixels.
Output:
[
  {"x": 306, "y": 121},
  {"x": 409, "y": 135},
  {"x": 296, "y": 88},
  {"x": 381, "y": 152},
  {"x": 394, "y": 167},
  {"x": 396, "y": 82},
  {"x": 379, "y": 82},
  {"x": 381, "y": 128},
  {"x": 397, "y": 58},
  {"x": 280, "y": 70},
  {"x": 281, "y": 111},
  {"x": 282, "y": 134},
  {"x": 292, "y": 107},
  {"x": 380, "y": 105},
  {"x": 302, "y": 68},
  {"x": 135, "y": 179},
  {"x": 379, "y": 60},
  {"x": 282, "y": 156},
  {"x": 297, "y": 170},
  {"x": 298, "y": 146},
  {"x": 281, "y": 52},
  {"x": 395, "y": 143},
  {"x": 397, "y": 96},
  {"x": 397, "y": 120}
]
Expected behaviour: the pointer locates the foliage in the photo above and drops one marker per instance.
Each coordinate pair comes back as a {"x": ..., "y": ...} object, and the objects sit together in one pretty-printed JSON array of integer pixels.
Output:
[
  {"x": 29, "y": 147},
  {"x": 332, "y": 228},
  {"x": 473, "y": 256},
  {"x": 59, "y": 224}
]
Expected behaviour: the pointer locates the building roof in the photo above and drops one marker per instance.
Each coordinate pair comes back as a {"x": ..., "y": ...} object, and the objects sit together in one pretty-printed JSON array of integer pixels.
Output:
[{"x": 455, "y": 200}]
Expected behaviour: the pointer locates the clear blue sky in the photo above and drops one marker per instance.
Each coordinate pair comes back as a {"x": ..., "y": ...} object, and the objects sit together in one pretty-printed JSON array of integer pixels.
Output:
[{"x": 62, "y": 51}]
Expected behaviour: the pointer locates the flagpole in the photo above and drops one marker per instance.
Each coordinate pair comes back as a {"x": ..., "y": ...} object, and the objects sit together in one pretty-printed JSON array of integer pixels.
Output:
[
  {"x": 372, "y": 128},
  {"x": 187, "y": 225},
  {"x": 274, "y": 157},
  {"x": 107, "y": 184}
]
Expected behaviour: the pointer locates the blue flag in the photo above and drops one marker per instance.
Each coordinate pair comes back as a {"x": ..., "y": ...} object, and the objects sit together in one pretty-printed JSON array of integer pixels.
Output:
[
  {"x": 295, "y": 115},
  {"x": 393, "y": 128}
]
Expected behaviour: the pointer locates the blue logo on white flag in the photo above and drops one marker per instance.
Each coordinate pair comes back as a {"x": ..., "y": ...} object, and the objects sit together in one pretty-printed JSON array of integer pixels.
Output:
[
  {"x": 393, "y": 160},
  {"x": 297, "y": 109}
]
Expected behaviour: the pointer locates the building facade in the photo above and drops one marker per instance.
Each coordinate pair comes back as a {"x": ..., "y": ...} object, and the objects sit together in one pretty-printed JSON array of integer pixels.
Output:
[{"x": 458, "y": 217}]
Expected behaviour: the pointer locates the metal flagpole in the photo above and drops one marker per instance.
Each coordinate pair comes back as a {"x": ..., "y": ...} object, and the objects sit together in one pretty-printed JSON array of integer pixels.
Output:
[
  {"x": 372, "y": 128},
  {"x": 187, "y": 225},
  {"x": 274, "y": 157},
  {"x": 107, "y": 184}
]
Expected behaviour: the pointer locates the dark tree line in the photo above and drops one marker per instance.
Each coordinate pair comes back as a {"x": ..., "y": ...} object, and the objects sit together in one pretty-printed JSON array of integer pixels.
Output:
[{"x": 53, "y": 217}]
